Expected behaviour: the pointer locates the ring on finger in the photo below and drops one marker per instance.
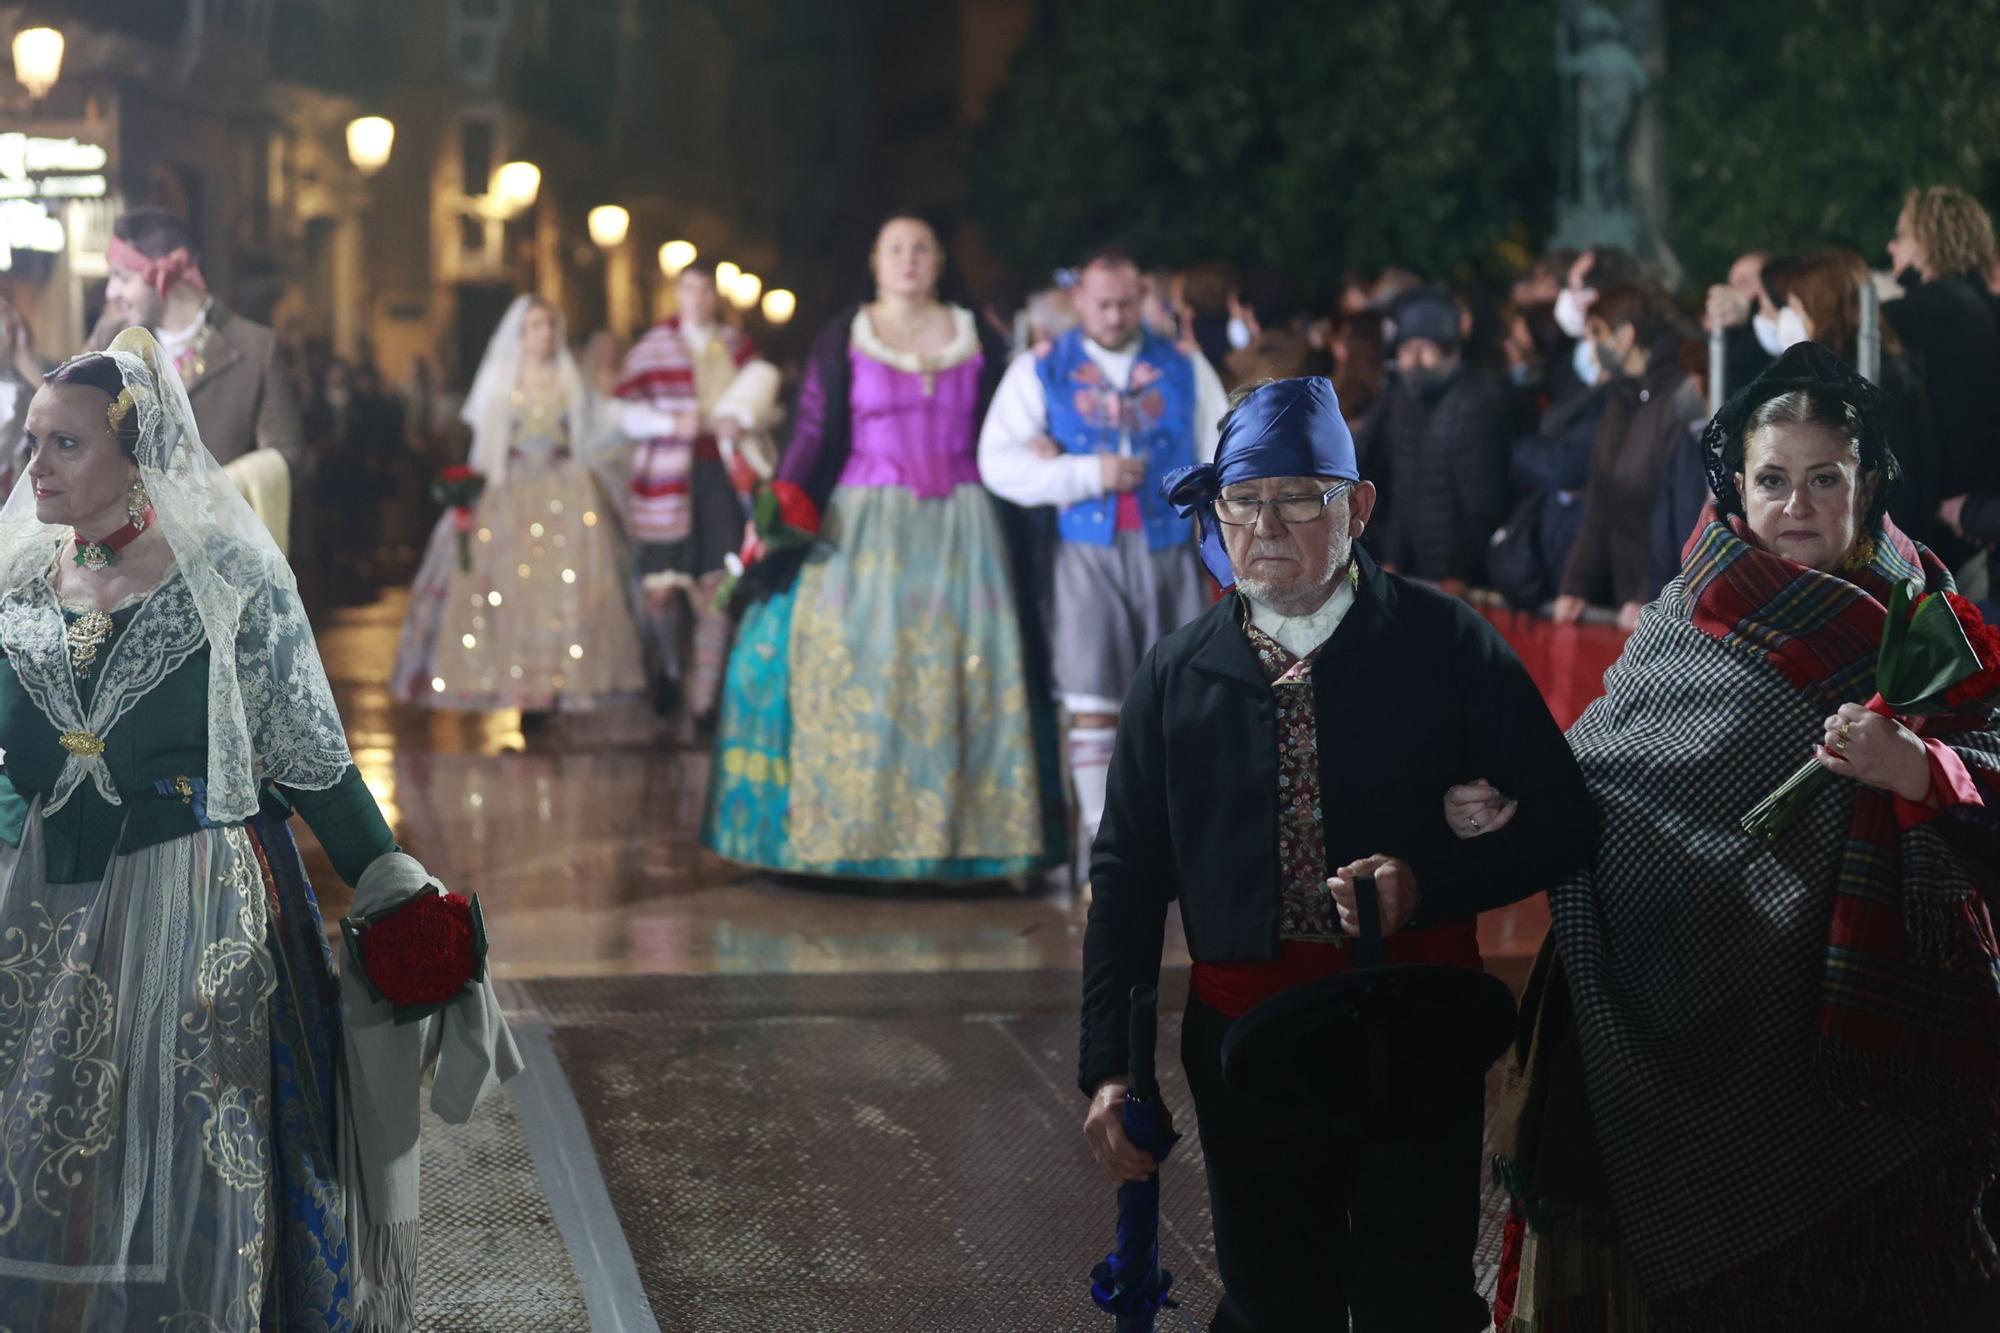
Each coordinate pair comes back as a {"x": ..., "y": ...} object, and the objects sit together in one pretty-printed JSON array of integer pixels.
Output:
[
  {"x": 1839, "y": 745},
  {"x": 1845, "y": 728}
]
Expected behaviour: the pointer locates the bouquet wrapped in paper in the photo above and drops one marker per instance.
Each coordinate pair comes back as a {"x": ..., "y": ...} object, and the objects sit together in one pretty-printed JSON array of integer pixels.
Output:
[
  {"x": 458, "y": 489},
  {"x": 1939, "y": 658},
  {"x": 420, "y": 954}
]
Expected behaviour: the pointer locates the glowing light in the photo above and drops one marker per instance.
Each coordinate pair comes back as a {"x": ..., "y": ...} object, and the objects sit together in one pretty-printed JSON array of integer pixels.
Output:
[
  {"x": 555, "y": 506},
  {"x": 514, "y": 671},
  {"x": 726, "y": 274},
  {"x": 486, "y": 534},
  {"x": 569, "y": 576},
  {"x": 743, "y": 293},
  {"x": 576, "y": 652},
  {"x": 493, "y": 599},
  {"x": 515, "y": 186},
  {"x": 469, "y": 641},
  {"x": 38, "y": 54},
  {"x": 779, "y": 306},
  {"x": 535, "y": 529},
  {"x": 608, "y": 225},
  {"x": 675, "y": 256},
  {"x": 437, "y": 684},
  {"x": 589, "y": 518},
  {"x": 524, "y": 571},
  {"x": 369, "y": 138}
]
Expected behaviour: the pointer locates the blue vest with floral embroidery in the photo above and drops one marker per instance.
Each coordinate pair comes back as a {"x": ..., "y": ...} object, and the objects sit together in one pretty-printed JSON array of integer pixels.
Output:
[{"x": 1088, "y": 414}]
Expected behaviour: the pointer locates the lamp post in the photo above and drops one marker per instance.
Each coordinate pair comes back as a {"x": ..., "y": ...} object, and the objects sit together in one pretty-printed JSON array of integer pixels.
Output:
[
  {"x": 609, "y": 224},
  {"x": 779, "y": 306},
  {"x": 38, "y": 54},
  {"x": 370, "y": 139}
]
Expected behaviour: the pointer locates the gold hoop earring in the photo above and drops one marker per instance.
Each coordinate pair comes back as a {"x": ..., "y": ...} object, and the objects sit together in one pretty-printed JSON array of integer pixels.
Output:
[{"x": 137, "y": 504}]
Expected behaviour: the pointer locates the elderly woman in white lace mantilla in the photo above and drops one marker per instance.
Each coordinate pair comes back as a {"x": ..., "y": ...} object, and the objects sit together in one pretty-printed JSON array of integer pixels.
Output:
[{"x": 170, "y": 1119}]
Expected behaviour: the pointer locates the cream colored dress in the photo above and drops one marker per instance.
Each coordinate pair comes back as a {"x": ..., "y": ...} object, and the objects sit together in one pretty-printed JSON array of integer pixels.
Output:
[{"x": 541, "y": 620}]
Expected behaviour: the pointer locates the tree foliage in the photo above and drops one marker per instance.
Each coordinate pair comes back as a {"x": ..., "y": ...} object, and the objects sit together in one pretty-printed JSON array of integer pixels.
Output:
[
  {"x": 1315, "y": 137},
  {"x": 1309, "y": 136},
  {"x": 1799, "y": 123}
]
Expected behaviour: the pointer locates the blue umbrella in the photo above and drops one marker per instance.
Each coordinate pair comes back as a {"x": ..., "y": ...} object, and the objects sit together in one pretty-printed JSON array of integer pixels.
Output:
[{"x": 1130, "y": 1283}]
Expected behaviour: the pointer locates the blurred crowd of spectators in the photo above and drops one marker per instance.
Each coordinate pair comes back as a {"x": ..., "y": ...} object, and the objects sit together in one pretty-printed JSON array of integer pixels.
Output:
[{"x": 1543, "y": 441}]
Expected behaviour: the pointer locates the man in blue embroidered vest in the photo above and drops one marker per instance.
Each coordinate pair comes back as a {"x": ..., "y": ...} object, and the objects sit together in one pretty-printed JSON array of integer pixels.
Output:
[{"x": 1091, "y": 426}]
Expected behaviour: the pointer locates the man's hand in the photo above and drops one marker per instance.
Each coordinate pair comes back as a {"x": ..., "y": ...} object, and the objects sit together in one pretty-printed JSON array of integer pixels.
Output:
[
  {"x": 1121, "y": 474},
  {"x": 1044, "y": 447},
  {"x": 1726, "y": 308},
  {"x": 1569, "y": 609},
  {"x": 1104, "y": 1126},
  {"x": 1477, "y": 808},
  {"x": 1628, "y": 615},
  {"x": 1395, "y": 886}
]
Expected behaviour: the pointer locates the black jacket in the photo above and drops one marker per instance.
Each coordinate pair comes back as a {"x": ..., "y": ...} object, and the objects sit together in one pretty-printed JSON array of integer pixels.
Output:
[
  {"x": 1951, "y": 333},
  {"x": 1415, "y": 692},
  {"x": 1442, "y": 467}
]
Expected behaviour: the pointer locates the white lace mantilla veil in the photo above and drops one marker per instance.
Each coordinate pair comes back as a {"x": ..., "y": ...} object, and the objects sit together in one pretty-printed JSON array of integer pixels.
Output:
[
  {"x": 489, "y": 404},
  {"x": 271, "y": 714}
]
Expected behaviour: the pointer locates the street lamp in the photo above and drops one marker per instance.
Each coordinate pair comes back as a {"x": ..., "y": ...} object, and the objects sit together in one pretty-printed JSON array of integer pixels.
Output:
[
  {"x": 608, "y": 225},
  {"x": 743, "y": 293},
  {"x": 369, "y": 139},
  {"x": 726, "y": 274},
  {"x": 38, "y": 54},
  {"x": 779, "y": 306},
  {"x": 515, "y": 186},
  {"x": 675, "y": 256}
]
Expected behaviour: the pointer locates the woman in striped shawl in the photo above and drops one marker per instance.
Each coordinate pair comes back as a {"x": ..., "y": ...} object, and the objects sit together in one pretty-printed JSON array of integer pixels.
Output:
[{"x": 1759, "y": 1085}]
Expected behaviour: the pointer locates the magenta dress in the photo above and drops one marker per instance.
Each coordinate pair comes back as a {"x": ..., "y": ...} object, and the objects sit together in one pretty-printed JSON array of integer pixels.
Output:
[{"x": 875, "y": 720}]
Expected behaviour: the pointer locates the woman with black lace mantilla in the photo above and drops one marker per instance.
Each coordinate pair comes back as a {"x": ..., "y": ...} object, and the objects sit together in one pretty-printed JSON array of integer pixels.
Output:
[{"x": 176, "y": 1150}]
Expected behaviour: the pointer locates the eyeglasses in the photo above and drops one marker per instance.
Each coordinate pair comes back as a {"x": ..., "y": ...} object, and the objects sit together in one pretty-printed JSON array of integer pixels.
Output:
[{"x": 1291, "y": 509}]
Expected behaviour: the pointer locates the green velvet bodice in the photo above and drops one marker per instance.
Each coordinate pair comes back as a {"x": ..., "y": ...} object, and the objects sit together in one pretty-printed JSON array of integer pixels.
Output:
[{"x": 158, "y": 758}]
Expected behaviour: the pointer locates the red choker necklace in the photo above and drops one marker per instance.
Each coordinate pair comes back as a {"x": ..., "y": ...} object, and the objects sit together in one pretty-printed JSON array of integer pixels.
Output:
[{"x": 104, "y": 554}]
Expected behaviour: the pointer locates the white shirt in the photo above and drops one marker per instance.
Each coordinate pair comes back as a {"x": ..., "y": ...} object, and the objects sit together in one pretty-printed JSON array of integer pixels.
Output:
[
  {"x": 173, "y": 344},
  {"x": 1299, "y": 635},
  {"x": 1020, "y": 413}
]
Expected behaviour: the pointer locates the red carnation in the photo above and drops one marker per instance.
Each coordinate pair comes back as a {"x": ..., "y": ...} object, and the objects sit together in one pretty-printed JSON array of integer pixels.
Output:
[
  {"x": 457, "y": 472},
  {"x": 795, "y": 508},
  {"x": 1985, "y": 640},
  {"x": 420, "y": 954}
]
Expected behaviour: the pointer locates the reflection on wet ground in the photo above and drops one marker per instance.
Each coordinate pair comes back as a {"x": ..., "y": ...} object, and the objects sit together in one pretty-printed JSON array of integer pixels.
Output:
[{"x": 579, "y": 835}]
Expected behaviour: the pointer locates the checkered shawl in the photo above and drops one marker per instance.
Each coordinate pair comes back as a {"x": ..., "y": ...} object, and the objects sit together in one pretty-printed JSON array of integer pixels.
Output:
[
  {"x": 659, "y": 371},
  {"x": 1784, "y": 1046}
]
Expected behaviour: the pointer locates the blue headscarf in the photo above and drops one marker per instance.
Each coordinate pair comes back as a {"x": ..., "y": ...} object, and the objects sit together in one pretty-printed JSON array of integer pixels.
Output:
[{"x": 1289, "y": 428}]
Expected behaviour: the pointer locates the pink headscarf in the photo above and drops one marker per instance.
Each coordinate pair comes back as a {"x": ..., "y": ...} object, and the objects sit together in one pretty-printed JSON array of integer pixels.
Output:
[{"x": 160, "y": 274}]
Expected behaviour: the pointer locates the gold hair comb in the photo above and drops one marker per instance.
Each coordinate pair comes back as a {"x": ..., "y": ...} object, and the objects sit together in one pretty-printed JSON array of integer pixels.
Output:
[{"x": 118, "y": 409}]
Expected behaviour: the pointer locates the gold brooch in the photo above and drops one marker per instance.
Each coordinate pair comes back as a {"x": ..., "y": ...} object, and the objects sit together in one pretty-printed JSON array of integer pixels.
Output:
[
  {"x": 85, "y": 637},
  {"x": 81, "y": 743}
]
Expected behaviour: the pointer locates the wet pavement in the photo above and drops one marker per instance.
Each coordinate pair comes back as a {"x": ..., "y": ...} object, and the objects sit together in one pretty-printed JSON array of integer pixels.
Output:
[{"x": 755, "y": 1103}]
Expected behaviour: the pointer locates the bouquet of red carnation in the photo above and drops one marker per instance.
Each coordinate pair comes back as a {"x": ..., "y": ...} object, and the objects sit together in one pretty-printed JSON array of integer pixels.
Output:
[
  {"x": 458, "y": 489},
  {"x": 420, "y": 954},
  {"x": 782, "y": 517},
  {"x": 1939, "y": 658}
]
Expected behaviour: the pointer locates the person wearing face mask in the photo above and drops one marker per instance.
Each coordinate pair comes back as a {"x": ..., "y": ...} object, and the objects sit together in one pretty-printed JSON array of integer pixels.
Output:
[
  {"x": 1090, "y": 428},
  {"x": 1950, "y": 326},
  {"x": 1648, "y": 405},
  {"x": 1266, "y": 332},
  {"x": 1437, "y": 441},
  {"x": 1754, "y": 1087}
]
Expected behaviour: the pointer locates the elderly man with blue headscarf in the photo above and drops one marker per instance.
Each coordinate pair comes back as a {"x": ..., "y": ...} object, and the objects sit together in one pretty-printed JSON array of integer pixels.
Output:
[{"x": 1299, "y": 734}]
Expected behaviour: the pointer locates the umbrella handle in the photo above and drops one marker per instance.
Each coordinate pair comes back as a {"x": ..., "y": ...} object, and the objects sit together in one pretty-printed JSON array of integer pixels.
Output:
[
  {"x": 1368, "y": 909},
  {"x": 1144, "y": 1033}
]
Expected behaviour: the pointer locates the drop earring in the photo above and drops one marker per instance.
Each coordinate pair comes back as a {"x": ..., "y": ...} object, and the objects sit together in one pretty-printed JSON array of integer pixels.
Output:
[{"x": 138, "y": 505}]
